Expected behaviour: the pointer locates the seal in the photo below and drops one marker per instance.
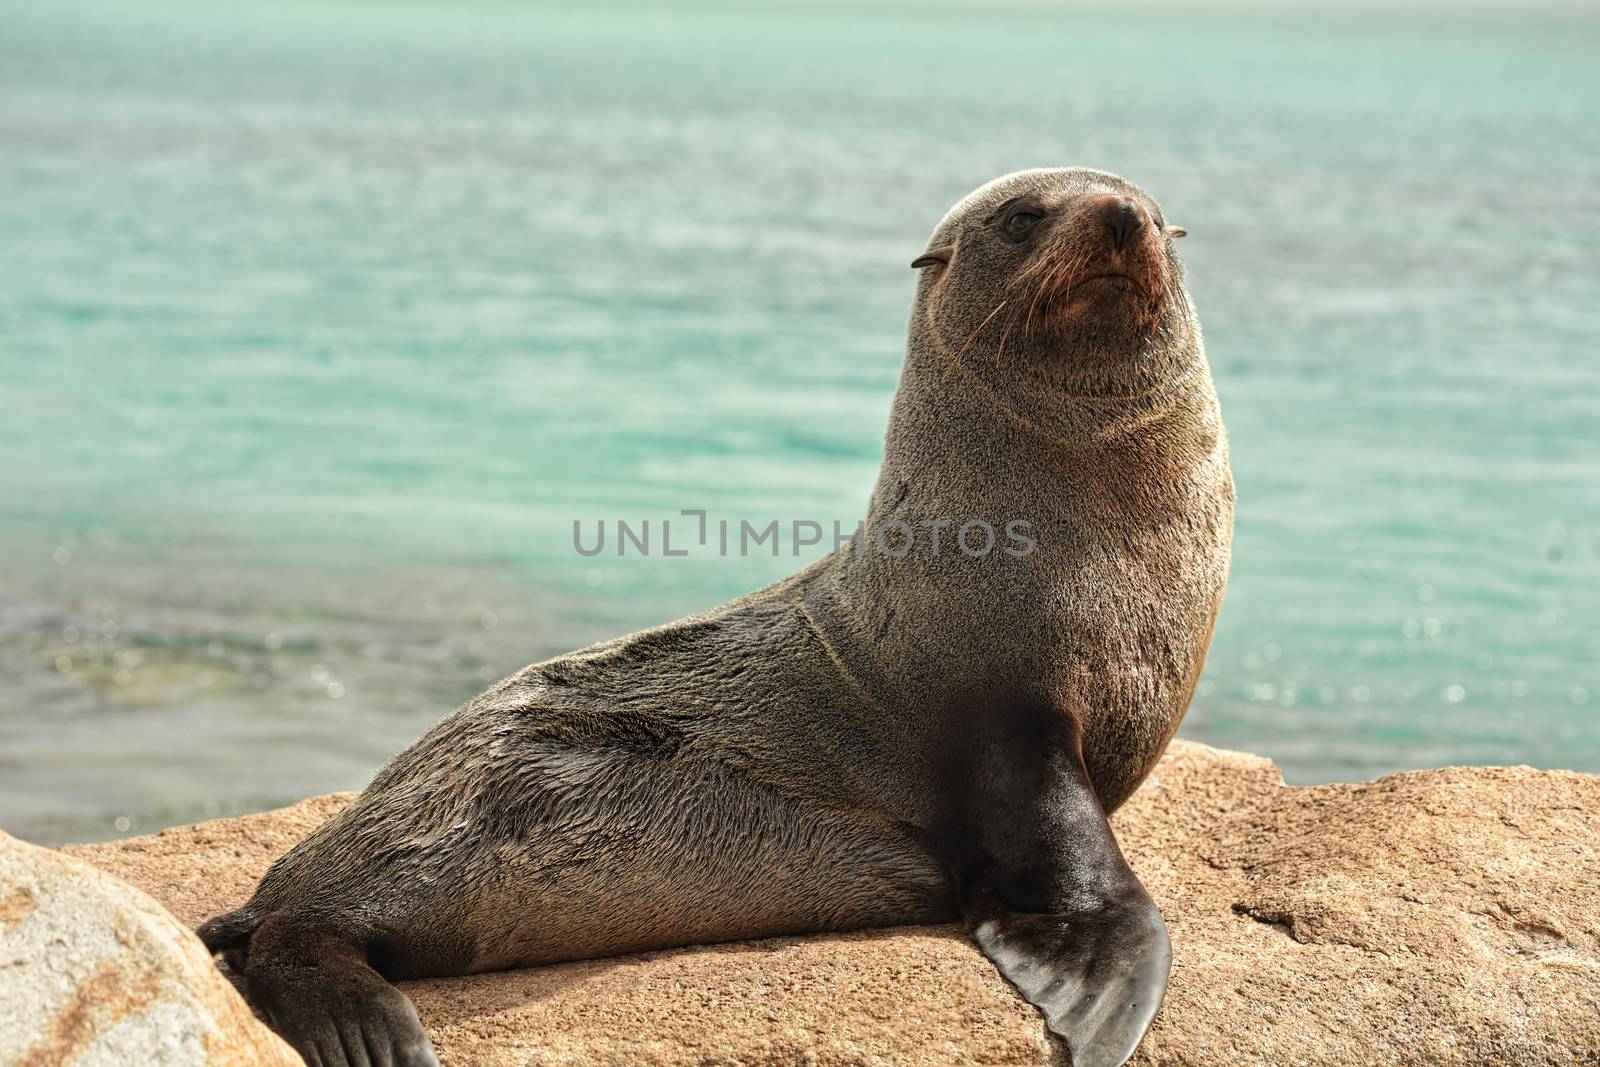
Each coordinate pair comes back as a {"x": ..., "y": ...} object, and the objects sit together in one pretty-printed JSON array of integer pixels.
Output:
[{"x": 887, "y": 737}]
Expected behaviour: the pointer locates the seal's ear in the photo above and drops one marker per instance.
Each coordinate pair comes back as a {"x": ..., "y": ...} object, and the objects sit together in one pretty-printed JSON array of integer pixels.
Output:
[
  {"x": 1176, "y": 231},
  {"x": 933, "y": 257}
]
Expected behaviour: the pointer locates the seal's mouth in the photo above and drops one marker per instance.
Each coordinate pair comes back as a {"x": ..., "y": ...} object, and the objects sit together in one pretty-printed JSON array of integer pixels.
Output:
[
  {"x": 1100, "y": 293},
  {"x": 1124, "y": 282},
  {"x": 1105, "y": 293}
]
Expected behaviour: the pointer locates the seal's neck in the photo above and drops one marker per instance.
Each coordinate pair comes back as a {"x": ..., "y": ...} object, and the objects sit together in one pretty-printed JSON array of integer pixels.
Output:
[{"x": 957, "y": 442}]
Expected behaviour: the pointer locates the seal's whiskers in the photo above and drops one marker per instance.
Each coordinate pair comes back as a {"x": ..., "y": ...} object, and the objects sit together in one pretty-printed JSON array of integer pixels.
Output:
[{"x": 951, "y": 365}]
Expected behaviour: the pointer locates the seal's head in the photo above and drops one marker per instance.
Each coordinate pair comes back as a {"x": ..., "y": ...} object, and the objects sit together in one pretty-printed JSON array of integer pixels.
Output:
[{"x": 1062, "y": 281}]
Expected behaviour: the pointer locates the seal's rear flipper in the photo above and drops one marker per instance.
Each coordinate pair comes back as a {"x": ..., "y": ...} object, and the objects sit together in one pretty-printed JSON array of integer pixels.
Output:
[
  {"x": 318, "y": 991},
  {"x": 1044, "y": 888},
  {"x": 228, "y": 931},
  {"x": 229, "y": 934}
]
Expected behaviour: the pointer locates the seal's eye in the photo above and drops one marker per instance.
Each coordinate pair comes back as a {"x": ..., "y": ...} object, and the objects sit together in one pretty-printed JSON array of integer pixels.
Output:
[{"x": 1018, "y": 223}]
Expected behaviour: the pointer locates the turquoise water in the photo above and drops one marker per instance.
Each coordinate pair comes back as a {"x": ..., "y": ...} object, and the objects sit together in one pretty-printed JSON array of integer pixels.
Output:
[{"x": 321, "y": 323}]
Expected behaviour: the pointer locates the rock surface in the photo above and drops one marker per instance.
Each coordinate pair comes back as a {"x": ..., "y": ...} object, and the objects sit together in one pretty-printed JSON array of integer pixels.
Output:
[
  {"x": 1432, "y": 917},
  {"x": 93, "y": 973}
]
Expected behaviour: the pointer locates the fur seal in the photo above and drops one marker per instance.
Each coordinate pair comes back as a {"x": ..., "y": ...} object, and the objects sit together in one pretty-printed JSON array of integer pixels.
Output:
[{"x": 881, "y": 738}]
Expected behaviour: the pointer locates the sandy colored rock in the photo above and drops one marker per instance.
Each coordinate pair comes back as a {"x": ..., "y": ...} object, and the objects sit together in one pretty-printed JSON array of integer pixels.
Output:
[
  {"x": 93, "y": 973},
  {"x": 1433, "y": 917}
]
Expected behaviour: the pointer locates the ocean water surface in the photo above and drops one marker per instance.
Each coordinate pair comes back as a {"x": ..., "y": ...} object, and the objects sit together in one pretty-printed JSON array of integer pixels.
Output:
[{"x": 320, "y": 324}]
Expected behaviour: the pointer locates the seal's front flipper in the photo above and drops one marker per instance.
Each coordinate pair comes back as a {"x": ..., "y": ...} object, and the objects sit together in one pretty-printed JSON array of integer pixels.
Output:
[
  {"x": 315, "y": 986},
  {"x": 1097, "y": 976},
  {"x": 1043, "y": 886}
]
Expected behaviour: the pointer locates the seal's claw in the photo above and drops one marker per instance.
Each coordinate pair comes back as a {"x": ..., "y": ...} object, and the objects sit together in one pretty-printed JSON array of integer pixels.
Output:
[{"x": 1097, "y": 975}]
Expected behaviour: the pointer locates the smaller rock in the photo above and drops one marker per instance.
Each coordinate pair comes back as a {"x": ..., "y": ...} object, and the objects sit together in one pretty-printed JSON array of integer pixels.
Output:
[{"x": 93, "y": 973}]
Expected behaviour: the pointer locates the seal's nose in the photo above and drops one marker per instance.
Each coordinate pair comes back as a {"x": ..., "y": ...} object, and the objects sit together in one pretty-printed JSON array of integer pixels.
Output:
[{"x": 1123, "y": 218}]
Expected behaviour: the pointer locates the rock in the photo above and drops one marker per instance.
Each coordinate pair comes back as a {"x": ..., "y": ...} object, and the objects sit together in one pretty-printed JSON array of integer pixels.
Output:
[
  {"x": 1433, "y": 917},
  {"x": 93, "y": 973}
]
